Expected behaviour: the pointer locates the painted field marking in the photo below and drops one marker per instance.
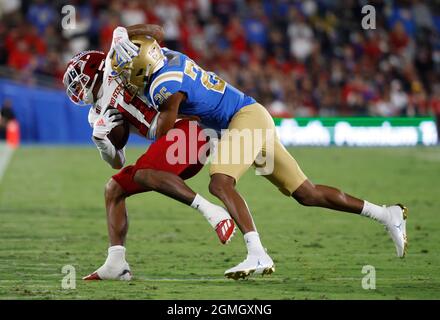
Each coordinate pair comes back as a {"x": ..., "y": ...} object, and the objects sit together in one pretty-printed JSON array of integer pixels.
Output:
[{"x": 6, "y": 153}]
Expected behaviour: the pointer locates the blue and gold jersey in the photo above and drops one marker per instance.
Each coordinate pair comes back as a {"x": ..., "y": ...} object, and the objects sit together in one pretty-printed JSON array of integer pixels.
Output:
[{"x": 209, "y": 97}]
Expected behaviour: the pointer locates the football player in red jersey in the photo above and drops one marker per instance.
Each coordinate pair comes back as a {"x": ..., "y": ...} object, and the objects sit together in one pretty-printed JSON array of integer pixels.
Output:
[{"x": 89, "y": 81}]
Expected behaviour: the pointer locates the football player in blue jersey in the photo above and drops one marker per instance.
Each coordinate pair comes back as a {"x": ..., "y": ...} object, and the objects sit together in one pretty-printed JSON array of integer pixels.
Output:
[{"x": 175, "y": 84}]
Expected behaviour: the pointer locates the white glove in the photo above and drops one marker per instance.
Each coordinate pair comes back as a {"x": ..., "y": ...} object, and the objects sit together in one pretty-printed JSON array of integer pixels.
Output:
[
  {"x": 124, "y": 48},
  {"x": 106, "y": 122},
  {"x": 115, "y": 158}
]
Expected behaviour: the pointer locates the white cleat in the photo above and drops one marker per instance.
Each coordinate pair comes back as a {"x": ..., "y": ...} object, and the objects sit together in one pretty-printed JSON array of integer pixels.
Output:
[
  {"x": 111, "y": 273},
  {"x": 251, "y": 265},
  {"x": 396, "y": 227}
]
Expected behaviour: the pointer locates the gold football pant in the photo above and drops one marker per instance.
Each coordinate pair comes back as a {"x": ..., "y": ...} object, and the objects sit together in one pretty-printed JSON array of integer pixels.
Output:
[{"x": 251, "y": 140}]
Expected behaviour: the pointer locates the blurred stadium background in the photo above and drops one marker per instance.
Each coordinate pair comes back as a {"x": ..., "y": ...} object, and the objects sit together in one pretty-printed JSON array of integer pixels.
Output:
[{"x": 298, "y": 58}]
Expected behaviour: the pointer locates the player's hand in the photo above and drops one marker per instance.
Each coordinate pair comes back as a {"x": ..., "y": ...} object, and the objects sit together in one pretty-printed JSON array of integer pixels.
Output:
[
  {"x": 124, "y": 48},
  {"x": 106, "y": 122}
]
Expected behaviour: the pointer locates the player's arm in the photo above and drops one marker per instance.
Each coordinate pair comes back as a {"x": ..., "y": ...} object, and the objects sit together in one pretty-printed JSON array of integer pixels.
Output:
[
  {"x": 168, "y": 113},
  {"x": 153, "y": 30},
  {"x": 102, "y": 125},
  {"x": 114, "y": 157}
]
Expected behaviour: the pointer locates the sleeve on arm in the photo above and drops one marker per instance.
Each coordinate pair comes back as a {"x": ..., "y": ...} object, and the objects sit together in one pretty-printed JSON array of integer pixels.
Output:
[
  {"x": 164, "y": 86},
  {"x": 115, "y": 158}
]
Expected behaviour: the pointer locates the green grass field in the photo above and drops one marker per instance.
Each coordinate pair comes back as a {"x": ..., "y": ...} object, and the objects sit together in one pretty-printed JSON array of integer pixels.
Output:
[{"x": 52, "y": 214}]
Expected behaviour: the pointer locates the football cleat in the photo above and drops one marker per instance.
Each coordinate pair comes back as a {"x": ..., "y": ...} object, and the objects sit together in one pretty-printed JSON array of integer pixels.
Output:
[
  {"x": 225, "y": 230},
  {"x": 396, "y": 227},
  {"x": 92, "y": 276},
  {"x": 251, "y": 265},
  {"x": 107, "y": 273}
]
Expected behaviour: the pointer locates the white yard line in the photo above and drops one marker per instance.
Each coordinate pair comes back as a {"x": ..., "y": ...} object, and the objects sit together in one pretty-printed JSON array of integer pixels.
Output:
[{"x": 5, "y": 156}]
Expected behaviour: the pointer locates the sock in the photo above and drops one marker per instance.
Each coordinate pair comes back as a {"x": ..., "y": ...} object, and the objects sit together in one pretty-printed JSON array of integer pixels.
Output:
[
  {"x": 374, "y": 211},
  {"x": 115, "y": 257},
  {"x": 253, "y": 243},
  {"x": 114, "y": 264},
  {"x": 213, "y": 213}
]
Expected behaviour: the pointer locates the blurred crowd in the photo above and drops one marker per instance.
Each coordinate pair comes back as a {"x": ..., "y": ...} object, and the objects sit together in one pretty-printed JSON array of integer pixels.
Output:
[{"x": 298, "y": 58}]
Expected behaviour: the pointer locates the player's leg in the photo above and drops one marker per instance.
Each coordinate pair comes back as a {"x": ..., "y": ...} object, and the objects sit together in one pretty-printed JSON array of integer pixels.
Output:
[
  {"x": 225, "y": 172},
  {"x": 166, "y": 183},
  {"x": 156, "y": 172},
  {"x": 117, "y": 217},
  {"x": 290, "y": 179},
  {"x": 123, "y": 185},
  {"x": 393, "y": 217},
  {"x": 257, "y": 259},
  {"x": 117, "y": 189},
  {"x": 223, "y": 187},
  {"x": 309, "y": 194}
]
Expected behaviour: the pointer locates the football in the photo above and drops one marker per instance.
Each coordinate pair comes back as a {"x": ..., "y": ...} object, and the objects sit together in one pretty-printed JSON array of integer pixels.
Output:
[{"x": 118, "y": 136}]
